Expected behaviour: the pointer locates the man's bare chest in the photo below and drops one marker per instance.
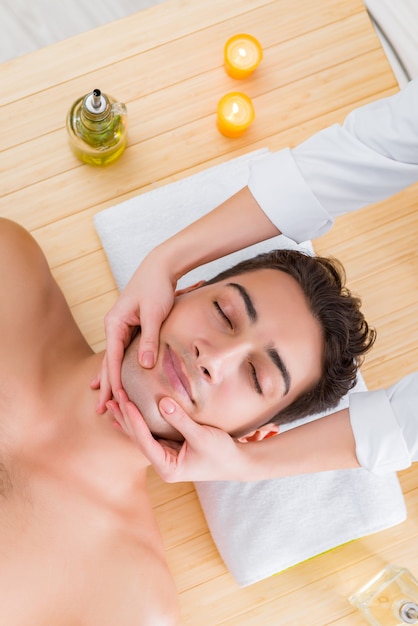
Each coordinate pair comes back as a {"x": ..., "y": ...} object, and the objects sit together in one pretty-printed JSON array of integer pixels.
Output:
[{"x": 67, "y": 557}]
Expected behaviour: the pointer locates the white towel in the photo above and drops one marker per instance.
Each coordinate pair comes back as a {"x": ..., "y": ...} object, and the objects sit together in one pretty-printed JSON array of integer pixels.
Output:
[
  {"x": 259, "y": 528},
  {"x": 262, "y": 528},
  {"x": 131, "y": 229}
]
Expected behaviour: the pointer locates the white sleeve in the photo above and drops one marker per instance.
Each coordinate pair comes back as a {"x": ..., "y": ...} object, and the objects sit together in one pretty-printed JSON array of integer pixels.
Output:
[
  {"x": 385, "y": 426},
  {"x": 373, "y": 155}
]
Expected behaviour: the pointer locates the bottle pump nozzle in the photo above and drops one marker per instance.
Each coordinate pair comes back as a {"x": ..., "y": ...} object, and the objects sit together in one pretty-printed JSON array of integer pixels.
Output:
[
  {"x": 96, "y": 103},
  {"x": 96, "y": 99}
]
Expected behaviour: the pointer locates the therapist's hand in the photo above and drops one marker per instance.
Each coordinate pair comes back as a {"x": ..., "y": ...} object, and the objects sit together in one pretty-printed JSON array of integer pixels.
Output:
[
  {"x": 146, "y": 301},
  {"x": 207, "y": 453}
]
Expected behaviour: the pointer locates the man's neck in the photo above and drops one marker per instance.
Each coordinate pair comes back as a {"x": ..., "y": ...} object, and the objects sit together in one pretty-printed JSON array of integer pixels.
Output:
[
  {"x": 74, "y": 390},
  {"x": 133, "y": 459}
]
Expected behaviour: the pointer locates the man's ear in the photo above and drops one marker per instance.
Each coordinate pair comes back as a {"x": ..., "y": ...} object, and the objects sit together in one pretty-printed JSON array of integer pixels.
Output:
[
  {"x": 190, "y": 288},
  {"x": 264, "y": 432}
]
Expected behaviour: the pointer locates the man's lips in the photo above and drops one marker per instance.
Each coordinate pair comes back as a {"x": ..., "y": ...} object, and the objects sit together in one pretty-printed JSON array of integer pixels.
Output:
[{"x": 173, "y": 369}]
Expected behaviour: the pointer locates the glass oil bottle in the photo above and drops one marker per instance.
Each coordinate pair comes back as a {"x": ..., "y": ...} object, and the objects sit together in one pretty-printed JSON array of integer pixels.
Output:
[
  {"x": 389, "y": 599},
  {"x": 97, "y": 128}
]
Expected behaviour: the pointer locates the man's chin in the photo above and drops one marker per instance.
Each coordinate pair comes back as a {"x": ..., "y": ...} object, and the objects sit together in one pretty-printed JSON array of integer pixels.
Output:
[
  {"x": 163, "y": 430},
  {"x": 144, "y": 390},
  {"x": 158, "y": 426}
]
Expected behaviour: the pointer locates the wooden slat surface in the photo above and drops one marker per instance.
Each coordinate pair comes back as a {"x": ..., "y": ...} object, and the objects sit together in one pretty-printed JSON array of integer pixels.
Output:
[{"x": 321, "y": 60}]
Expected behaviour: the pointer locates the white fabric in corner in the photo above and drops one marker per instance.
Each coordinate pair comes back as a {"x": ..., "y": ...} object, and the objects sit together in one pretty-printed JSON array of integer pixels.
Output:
[{"x": 398, "y": 22}]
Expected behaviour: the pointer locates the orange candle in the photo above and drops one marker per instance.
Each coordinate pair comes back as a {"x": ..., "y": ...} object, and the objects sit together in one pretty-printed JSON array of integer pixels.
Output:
[
  {"x": 235, "y": 114},
  {"x": 242, "y": 54}
]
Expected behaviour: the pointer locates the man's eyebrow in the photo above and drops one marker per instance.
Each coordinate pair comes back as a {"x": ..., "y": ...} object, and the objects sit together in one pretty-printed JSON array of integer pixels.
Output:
[
  {"x": 249, "y": 306},
  {"x": 278, "y": 361},
  {"x": 272, "y": 352}
]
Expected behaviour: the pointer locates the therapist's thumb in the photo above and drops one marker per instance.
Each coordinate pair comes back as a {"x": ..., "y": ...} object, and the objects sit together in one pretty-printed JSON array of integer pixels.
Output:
[
  {"x": 149, "y": 343},
  {"x": 177, "y": 417}
]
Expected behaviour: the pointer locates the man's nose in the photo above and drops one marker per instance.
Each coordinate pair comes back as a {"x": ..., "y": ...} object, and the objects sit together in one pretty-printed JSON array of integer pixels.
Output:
[{"x": 216, "y": 361}]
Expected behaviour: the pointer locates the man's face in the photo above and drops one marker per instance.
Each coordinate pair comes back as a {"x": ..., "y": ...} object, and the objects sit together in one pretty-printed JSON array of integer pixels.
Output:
[{"x": 232, "y": 354}]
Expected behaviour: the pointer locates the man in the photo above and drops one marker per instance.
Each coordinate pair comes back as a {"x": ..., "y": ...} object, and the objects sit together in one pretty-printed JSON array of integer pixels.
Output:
[
  {"x": 78, "y": 538},
  {"x": 223, "y": 337}
]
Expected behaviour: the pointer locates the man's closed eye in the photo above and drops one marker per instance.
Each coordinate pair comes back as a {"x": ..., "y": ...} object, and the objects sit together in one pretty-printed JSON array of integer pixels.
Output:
[
  {"x": 253, "y": 371},
  {"x": 223, "y": 315}
]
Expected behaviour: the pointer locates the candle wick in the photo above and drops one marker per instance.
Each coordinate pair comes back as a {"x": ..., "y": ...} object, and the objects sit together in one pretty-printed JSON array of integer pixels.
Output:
[
  {"x": 242, "y": 52},
  {"x": 234, "y": 111}
]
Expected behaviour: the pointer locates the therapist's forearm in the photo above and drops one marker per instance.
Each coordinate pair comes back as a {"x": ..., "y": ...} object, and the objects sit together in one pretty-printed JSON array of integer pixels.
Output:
[
  {"x": 236, "y": 223},
  {"x": 321, "y": 445}
]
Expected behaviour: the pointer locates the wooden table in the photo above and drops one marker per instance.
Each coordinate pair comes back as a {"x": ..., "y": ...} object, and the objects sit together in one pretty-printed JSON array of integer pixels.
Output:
[{"x": 321, "y": 60}]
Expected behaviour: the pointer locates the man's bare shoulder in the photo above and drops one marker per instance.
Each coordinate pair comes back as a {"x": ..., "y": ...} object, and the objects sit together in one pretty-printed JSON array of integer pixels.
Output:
[
  {"x": 34, "y": 315},
  {"x": 18, "y": 247},
  {"x": 24, "y": 277}
]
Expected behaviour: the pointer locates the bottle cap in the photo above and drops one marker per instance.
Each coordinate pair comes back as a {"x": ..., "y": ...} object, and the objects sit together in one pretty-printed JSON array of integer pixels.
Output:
[
  {"x": 96, "y": 105},
  {"x": 408, "y": 612}
]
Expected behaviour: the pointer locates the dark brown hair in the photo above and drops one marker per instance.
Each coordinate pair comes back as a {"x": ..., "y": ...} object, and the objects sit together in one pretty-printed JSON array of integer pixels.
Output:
[{"x": 347, "y": 336}]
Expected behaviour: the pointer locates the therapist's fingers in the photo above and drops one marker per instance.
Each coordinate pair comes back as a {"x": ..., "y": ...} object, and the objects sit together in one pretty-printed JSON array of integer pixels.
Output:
[
  {"x": 185, "y": 425},
  {"x": 161, "y": 453},
  {"x": 149, "y": 341},
  {"x": 208, "y": 453},
  {"x": 101, "y": 382},
  {"x": 113, "y": 407},
  {"x": 120, "y": 323},
  {"x": 154, "y": 311}
]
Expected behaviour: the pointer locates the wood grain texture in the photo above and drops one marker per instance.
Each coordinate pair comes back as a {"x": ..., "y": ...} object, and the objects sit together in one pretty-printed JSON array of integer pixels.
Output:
[{"x": 321, "y": 60}]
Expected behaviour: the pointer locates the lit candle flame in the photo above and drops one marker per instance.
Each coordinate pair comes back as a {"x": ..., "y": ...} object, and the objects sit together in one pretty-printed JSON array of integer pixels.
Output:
[{"x": 234, "y": 111}]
